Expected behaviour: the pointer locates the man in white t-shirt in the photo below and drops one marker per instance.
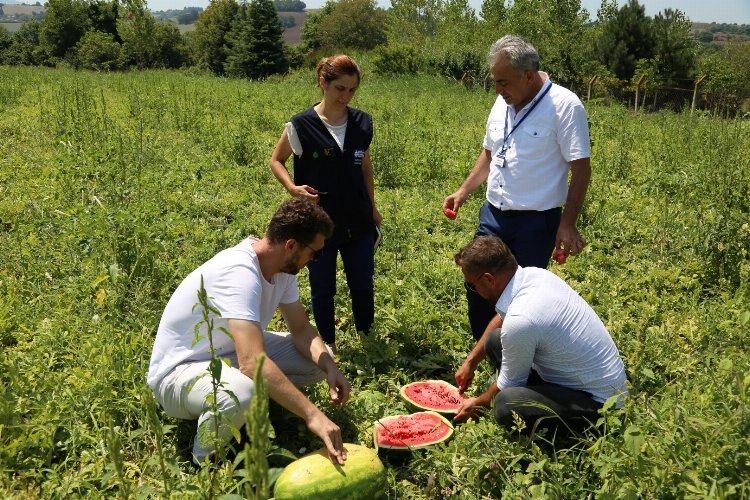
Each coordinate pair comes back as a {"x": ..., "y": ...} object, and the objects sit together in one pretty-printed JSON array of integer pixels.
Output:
[
  {"x": 537, "y": 133},
  {"x": 553, "y": 354},
  {"x": 245, "y": 285}
]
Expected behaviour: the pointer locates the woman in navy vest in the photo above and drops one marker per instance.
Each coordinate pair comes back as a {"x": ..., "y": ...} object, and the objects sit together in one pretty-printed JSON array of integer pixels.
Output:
[{"x": 331, "y": 146}]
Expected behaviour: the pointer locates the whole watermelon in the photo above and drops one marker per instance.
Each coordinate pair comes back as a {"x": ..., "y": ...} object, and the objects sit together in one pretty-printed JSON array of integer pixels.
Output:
[{"x": 315, "y": 476}]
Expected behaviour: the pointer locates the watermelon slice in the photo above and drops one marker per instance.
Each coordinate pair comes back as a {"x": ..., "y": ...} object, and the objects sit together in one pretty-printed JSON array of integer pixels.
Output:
[
  {"x": 434, "y": 395},
  {"x": 410, "y": 432}
]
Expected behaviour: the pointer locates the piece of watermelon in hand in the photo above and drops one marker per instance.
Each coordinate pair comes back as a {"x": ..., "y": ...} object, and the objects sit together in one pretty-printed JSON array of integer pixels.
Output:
[
  {"x": 559, "y": 256},
  {"x": 451, "y": 214}
]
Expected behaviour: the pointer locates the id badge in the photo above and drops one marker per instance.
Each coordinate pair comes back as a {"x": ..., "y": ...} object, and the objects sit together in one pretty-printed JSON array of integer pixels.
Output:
[{"x": 501, "y": 156}]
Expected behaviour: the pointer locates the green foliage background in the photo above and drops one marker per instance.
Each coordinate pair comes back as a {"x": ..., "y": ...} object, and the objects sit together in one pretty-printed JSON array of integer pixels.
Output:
[{"x": 114, "y": 187}]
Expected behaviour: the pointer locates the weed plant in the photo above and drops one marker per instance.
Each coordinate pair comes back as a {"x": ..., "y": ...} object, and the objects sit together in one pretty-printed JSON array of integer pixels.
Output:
[{"x": 113, "y": 187}]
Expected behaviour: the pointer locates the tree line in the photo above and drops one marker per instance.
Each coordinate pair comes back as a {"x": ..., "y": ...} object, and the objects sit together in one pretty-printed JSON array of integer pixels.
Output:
[{"x": 447, "y": 37}]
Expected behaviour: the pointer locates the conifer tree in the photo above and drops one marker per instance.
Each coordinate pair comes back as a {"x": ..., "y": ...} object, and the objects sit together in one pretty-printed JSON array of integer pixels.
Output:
[{"x": 255, "y": 47}]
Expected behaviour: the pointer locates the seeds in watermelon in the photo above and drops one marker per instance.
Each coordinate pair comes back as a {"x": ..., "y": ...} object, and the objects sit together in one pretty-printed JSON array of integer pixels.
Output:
[
  {"x": 435, "y": 395},
  {"x": 410, "y": 432}
]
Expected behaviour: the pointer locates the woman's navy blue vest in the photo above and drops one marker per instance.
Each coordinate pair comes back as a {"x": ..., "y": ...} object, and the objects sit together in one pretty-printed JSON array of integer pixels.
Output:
[{"x": 339, "y": 173}]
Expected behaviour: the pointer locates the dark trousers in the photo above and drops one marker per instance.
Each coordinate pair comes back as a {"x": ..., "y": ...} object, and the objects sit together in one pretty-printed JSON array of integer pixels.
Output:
[
  {"x": 558, "y": 407},
  {"x": 531, "y": 239},
  {"x": 358, "y": 256}
]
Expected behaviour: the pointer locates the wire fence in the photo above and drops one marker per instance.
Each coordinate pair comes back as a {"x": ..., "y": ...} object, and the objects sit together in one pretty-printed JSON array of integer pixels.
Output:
[{"x": 676, "y": 95}]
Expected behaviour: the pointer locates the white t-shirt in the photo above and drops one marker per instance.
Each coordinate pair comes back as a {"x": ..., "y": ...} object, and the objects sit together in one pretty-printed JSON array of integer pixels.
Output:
[
  {"x": 548, "y": 326},
  {"x": 236, "y": 287},
  {"x": 338, "y": 132},
  {"x": 535, "y": 172}
]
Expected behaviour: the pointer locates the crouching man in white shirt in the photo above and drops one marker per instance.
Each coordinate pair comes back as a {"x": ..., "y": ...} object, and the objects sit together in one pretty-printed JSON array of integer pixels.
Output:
[
  {"x": 554, "y": 357},
  {"x": 246, "y": 284}
]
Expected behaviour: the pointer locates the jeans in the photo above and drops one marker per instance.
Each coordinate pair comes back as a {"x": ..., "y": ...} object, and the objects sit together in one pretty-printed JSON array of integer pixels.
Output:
[
  {"x": 358, "y": 256},
  {"x": 552, "y": 403},
  {"x": 531, "y": 239}
]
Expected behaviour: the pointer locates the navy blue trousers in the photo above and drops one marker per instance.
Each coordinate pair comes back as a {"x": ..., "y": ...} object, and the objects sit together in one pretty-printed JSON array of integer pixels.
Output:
[
  {"x": 531, "y": 239},
  {"x": 358, "y": 256}
]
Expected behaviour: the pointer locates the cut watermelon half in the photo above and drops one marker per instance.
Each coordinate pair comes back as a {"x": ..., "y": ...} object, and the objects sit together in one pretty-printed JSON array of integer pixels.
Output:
[
  {"x": 434, "y": 395},
  {"x": 412, "y": 432}
]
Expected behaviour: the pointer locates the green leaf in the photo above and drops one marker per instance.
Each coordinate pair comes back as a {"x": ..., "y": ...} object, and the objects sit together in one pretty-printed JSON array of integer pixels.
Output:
[
  {"x": 214, "y": 367},
  {"x": 634, "y": 439}
]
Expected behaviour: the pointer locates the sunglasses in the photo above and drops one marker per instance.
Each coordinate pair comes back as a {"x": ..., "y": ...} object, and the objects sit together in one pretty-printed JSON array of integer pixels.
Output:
[
  {"x": 470, "y": 287},
  {"x": 317, "y": 254}
]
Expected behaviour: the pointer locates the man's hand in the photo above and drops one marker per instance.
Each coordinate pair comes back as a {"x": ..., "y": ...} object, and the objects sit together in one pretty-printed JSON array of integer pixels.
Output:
[
  {"x": 464, "y": 376},
  {"x": 569, "y": 240},
  {"x": 338, "y": 387},
  {"x": 467, "y": 410},
  {"x": 453, "y": 202},
  {"x": 330, "y": 433}
]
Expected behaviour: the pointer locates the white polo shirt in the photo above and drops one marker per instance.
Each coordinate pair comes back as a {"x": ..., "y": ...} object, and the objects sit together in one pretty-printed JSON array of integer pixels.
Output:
[
  {"x": 236, "y": 287},
  {"x": 535, "y": 172},
  {"x": 549, "y": 327}
]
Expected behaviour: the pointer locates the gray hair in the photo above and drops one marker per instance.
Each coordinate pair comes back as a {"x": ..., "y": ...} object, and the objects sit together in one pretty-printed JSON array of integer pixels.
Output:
[{"x": 520, "y": 53}]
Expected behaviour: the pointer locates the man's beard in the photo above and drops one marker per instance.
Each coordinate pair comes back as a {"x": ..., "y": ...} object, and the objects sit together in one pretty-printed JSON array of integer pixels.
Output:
[{"x": 290, "y": 267}]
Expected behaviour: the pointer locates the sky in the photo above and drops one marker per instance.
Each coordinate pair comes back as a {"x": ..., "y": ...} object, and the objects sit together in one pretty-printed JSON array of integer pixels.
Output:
[{"x": 706, "y": 11}]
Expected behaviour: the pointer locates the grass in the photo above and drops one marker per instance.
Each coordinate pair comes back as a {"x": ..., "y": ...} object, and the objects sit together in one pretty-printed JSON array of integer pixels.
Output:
[{"x": 114, "y": 186}]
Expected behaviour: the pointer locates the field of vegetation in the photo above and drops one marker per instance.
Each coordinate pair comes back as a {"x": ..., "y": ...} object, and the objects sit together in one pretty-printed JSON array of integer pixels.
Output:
[{"x": 113, "y": 187}]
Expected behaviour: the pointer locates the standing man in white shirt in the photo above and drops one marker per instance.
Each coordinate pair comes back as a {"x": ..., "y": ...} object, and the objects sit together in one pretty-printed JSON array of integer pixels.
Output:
[
  {"x": 554, "y": 357},
  {"x": 246, "y": 284},
  {"x": 536, "y": 133}
]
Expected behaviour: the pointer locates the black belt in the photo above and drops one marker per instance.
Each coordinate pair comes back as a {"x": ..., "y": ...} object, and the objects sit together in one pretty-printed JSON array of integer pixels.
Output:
[{"x": 516, "y": 213}]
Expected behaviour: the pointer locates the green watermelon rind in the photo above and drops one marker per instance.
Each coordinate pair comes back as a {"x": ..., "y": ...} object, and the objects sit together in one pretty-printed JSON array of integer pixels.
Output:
[
  {"x": 420, "y": 407},
  {"x": 384, "y": 422},
  {"x": 314, "y": 476}
]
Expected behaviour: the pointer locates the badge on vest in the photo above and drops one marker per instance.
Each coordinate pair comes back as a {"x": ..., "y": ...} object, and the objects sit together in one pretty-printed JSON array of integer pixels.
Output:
[
  {"x": 328, "y": 151},
  {"x": 359, "y": 155}
]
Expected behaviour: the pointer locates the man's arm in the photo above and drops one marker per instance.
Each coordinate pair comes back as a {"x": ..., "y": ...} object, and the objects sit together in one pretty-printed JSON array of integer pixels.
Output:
[
  {"x": 465, "y": 374},
  {"x": 475, "y": 179},
  {"x": 248, "y": 341},
  {"x": 567, "y": 234},
  {"x": 309, "y": 344}
]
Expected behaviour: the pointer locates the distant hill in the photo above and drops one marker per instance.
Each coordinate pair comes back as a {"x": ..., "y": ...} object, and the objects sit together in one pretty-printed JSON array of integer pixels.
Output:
[{"x": 721, "y": 33}]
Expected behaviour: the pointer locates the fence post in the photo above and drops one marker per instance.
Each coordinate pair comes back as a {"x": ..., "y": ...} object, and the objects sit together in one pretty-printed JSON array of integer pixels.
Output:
[
  {"x": 695, "y": 92},
  {"x": 591, "y": 85},
  {"x": 638, "y": 90}
]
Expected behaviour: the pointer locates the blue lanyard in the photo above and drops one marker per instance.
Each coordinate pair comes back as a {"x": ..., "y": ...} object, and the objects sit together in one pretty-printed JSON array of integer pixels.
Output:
[{"x": 506, "y": 134}]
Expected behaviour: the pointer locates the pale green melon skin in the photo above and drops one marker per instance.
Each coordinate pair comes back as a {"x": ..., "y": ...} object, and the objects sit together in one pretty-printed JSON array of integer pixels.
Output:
[{"x": 315, "y": 476}]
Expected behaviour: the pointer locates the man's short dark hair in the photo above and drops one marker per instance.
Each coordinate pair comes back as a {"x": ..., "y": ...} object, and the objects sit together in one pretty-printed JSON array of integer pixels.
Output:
[
  {"x": 299, "y": 219},
  {"x": 486, "y": 254}
]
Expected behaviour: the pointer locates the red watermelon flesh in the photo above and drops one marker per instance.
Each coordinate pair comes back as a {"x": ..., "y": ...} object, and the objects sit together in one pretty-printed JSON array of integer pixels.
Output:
[
  {"x": 433, "y": 395},
  {"x": 412, "y": 431}
]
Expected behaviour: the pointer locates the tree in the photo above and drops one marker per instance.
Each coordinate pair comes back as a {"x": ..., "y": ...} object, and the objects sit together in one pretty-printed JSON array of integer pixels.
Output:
[
  {"x": 493, "y": 12},
  {"x": 255, "y": 47},
  {"x": 311, "y": 34},
  {"x": 137, "y": 34},
  {"x": 354, "y": 24},
  {"x": 170, "y": 48},
  {"x": 5, "y": 40},
  {"x": 412, "y": 21},
  {"x": 675, "y": 47},
  {"x": 103, "y": 17},
  {"x": 289, "y": 5},
  {"x": 210, "y": 36},
  {"x": 64, "y": 24},
  {"x": 24, "y": 48},
  {"x": 98, "y": 51},
  {"x": 625, "y": 38}
]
